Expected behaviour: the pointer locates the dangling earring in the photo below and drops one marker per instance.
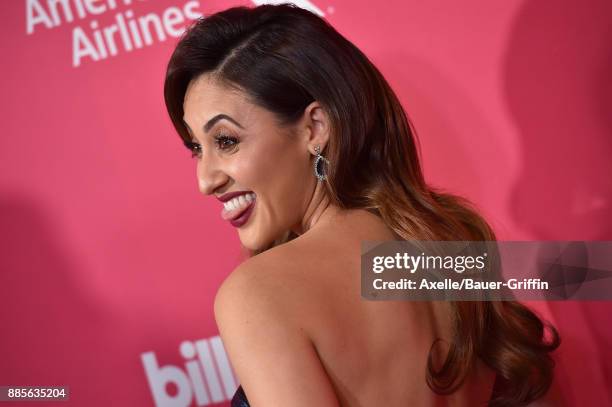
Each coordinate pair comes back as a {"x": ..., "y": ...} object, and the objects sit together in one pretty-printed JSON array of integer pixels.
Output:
[{"x": 321, "y": 176}]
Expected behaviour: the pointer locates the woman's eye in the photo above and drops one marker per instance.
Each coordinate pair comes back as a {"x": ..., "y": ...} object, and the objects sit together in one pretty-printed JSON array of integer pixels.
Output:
[
  {"x": 196, "y": 150},
  {"x": 225, "y": 142}
]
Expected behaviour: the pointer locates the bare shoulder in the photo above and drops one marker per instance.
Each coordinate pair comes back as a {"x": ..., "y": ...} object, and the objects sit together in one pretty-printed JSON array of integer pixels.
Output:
[
  {"x": 271, "y": 281},
  {"x": 268, "y": 346},
  {"x": 303, "y": 283},
  {"x": 301, "y": 274},
  {"x": 253, "y": 282}
]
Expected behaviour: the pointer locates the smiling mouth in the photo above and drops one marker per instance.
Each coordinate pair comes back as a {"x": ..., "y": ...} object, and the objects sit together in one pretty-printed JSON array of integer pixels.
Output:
[{"x": 237, "y": 210}]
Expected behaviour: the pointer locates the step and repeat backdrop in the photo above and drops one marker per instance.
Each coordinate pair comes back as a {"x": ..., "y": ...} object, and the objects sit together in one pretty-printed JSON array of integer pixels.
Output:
[{"x": 110, "y": 258}]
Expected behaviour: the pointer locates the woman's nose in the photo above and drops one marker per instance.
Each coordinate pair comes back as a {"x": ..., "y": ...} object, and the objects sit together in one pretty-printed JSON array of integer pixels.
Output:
[{"x": 210, "y": 178}]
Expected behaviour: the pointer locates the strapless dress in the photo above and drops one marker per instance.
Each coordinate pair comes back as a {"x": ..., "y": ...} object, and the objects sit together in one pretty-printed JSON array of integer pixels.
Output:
[{"x": 240, "y": 399}]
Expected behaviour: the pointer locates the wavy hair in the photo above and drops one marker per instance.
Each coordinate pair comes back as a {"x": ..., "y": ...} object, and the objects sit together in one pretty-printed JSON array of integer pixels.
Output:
[{"x": 284, "y": 57}]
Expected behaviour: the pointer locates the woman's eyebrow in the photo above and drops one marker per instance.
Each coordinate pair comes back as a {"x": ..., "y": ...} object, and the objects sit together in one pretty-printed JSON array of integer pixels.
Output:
[
  {"x": 218, "y": 117},
  {"x": 212, "y": 122}
]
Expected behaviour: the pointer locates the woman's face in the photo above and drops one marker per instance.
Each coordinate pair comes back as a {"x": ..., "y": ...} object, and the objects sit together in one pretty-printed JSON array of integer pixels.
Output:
[{"x": 244, "y": 151}]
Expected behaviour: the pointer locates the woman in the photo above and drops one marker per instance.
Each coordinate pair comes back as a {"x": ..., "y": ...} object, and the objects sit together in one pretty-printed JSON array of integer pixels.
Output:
[{"x": 310, "y": 151}]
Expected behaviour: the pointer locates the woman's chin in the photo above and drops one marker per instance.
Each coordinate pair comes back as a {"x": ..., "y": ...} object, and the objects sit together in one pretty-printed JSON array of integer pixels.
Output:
[
  {"x": 249, "y": 242},
  {"x": 255, "y": 243}
]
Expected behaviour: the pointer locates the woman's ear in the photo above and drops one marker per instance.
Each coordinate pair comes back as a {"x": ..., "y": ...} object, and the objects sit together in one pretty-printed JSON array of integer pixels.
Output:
[{"x": 317, "y": 127}]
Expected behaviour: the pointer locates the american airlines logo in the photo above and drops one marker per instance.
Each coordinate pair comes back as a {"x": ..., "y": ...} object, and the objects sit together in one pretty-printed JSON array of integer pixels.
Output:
[
  {"x": 128, "y": 31},
  {"x": 207, "y": 375}
]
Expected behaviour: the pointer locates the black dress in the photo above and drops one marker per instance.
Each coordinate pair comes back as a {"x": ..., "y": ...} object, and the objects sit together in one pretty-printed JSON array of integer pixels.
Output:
[{"x": 239, "y": 399}]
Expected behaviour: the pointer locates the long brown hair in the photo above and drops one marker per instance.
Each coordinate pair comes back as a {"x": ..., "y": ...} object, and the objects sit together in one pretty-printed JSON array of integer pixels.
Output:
[{"x": 284, "y": 57}]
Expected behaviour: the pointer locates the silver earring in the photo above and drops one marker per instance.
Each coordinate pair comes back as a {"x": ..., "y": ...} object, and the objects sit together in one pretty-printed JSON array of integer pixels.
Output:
[{"x": 321, "y": 176}]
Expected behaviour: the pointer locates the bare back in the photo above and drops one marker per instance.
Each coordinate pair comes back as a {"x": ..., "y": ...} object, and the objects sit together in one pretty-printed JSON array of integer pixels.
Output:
[{"x": 374, "y": 352}]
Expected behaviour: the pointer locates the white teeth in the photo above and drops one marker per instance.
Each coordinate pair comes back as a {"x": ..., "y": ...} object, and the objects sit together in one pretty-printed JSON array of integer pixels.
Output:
[{"x": 239, "y": 201}]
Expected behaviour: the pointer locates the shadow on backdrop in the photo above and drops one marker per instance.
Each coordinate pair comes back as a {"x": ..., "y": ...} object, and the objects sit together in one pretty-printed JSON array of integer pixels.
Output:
[{"x": 559, "y": 93}]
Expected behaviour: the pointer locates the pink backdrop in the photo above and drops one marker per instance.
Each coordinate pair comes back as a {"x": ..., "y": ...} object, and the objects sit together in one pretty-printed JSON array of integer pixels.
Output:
[{"x": 111, "y": 257}]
